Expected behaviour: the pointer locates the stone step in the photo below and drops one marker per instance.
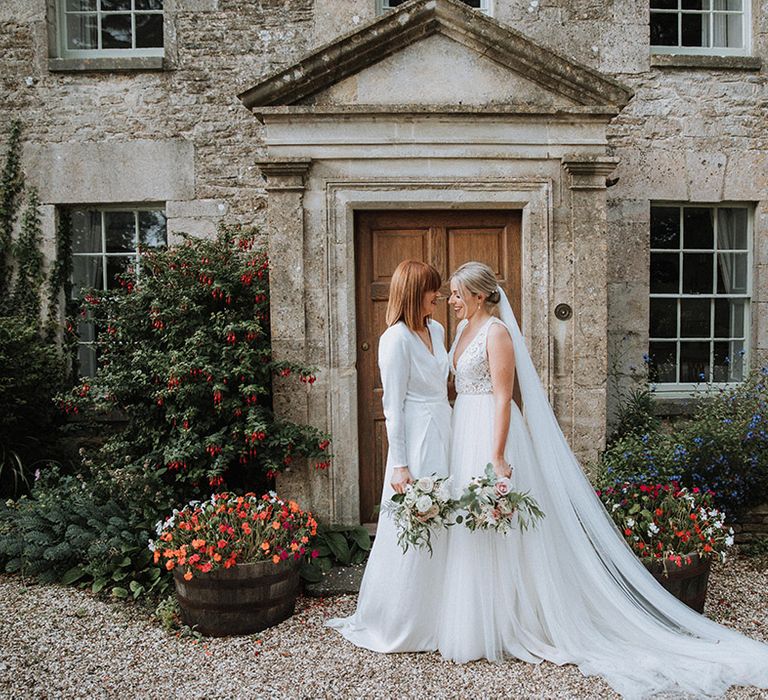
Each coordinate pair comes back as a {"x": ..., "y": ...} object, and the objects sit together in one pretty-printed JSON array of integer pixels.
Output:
[{"x": 338, "y": 581}]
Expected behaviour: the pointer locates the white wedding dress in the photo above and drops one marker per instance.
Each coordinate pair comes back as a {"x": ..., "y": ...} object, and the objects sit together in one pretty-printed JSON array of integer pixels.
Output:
[
  {"x": 570, "y": 590},
  {"x": 400, "y": 594}
]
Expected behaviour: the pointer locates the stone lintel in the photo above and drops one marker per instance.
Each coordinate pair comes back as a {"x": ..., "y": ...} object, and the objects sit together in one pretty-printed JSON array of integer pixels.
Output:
[
  {"x": 284, "y": 173},
  {"x": 588, "y": 173}
]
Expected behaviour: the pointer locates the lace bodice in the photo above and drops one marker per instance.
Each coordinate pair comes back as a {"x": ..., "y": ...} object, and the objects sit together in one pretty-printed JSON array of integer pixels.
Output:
[{"x": 472, "y": 371}]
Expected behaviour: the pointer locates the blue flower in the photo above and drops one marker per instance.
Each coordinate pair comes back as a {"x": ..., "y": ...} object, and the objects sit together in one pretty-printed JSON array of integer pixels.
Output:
[
  {"x": 701, "y": 376},
  {"x": 646, "y": 358}
]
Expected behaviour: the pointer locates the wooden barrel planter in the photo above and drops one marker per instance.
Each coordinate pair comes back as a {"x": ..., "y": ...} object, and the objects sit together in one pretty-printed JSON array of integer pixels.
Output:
[
  {"x": 688, "y": 583},
  {"x": 240, "y": 600}
]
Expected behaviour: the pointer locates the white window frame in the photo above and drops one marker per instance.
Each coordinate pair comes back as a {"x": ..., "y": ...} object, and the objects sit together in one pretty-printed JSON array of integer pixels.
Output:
[
  {"x": 61, "y": 33},
  {"x": 690, "y": 389},
  {"x": 746, "y": 30},
  {"x": 103, "y": 255},
  {"x": 486, "y": 7}
]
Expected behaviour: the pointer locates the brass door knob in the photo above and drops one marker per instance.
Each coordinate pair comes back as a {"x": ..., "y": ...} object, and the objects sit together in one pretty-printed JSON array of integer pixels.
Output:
[{"x": 365, "y": 346}]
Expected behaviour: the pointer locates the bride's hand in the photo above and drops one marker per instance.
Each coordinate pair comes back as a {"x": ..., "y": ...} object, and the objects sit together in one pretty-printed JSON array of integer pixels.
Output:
[
  {"x": 401, "y": 477},
  {"x": 501, "y": 468}
]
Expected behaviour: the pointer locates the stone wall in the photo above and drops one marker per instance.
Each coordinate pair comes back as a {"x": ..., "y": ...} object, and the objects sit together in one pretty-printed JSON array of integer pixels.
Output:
[{"x": 752, "y": 526}]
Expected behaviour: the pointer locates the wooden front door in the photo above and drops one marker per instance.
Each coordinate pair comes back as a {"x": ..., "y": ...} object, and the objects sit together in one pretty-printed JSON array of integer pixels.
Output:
[{"x": 446, "y": 239}]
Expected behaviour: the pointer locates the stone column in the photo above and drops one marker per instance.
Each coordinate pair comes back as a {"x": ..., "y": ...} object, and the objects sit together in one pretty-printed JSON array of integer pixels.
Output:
[
  {"x": 586, "y": 184},
  {"x": 285, "y": 228}
]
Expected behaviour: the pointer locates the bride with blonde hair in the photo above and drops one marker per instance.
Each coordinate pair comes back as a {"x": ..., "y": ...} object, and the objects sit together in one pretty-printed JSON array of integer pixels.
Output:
[{"x": 570, "y": 590}]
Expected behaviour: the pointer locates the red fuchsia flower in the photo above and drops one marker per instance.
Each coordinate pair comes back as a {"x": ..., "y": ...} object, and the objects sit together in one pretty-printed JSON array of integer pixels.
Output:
[
  {"x": 322, "y": 465},
  {"x": 217, "y": 397},
  {"x": 323, "y": 445},
  {"x": 285, "y": 372}
]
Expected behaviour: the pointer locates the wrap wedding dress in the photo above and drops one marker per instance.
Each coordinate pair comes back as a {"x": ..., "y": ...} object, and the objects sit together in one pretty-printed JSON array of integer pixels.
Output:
[
  {"x": 400, "y": 593},
  {"x": 570, "y": 590}
]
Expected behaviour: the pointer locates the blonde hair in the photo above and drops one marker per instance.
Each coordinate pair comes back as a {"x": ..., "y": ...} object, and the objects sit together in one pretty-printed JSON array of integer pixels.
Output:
[
  {"x": 477, "y": 278},
  {"x": 410, "y": 281}
]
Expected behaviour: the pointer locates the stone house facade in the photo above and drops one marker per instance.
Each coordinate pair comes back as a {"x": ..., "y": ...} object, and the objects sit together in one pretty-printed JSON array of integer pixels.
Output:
[{"x": 608, "y": 158}]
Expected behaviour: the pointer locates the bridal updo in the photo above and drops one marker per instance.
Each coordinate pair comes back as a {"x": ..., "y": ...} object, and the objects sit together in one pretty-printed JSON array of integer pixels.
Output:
[{"x": 477, "y": 278}]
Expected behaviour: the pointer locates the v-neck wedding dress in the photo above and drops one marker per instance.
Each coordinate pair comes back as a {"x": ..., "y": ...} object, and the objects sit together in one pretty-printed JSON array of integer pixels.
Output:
[
  {"x": 570, "y": 590},
  {"x": 400, "y": 594}
]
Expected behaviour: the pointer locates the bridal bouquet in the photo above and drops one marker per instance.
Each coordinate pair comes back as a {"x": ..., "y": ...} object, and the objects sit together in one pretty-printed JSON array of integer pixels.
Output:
[
  {"x": 491, "y": 504},
  {"x": 425, "y": 506}
]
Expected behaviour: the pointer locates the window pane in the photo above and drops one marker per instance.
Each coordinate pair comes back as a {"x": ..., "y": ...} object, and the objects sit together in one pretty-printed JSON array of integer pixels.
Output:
[
  {"x": 86, "y": 360},
  {"x": 121, "y": 231},
  {"x": 149, "y": 31},
  {"x": 665, "y": 227},
  {"x": 81, "y": 5},
  {"x": 116, "y": 266},
  {"x": 694, "y": 362},
  {"x": 727, "y": 30},
  {"x": 728, "y": 5},
  {"x": 86, "y": 274},
  {"x": 86, "y": 231},
  {"x": 732, "y": 229},
  {"x": 663, "y": 359},
  {"x": 152, "y": 228},
  {"x": 737, "y": 361},
  {"x": 695, "y": 29},
  {"x": 663, "y": 318},
  {"x": 665, "y": 273},
  {"x": 663, "y": 4},
  {"x": 697, "y": 273},
  {"x": 116, "y": 32},
  {"x": 149, "y": 4},
  {"x": 698, "y": 228},
  {"x": 732, "y": 273},
  {"x": 729, "y": 318},
  {"x": 721, "y": 360},
  {"x": 115, "y": 5},
  {"x": 664, "y": 29},
  {"x": 695, "y": 319},
  {"x": 82, "y": 32},
  {"x": 695, "y": 4}
]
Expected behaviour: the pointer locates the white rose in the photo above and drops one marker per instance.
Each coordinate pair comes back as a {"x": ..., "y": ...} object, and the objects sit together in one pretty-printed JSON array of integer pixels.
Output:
[
  {"x": 425, "y": 484},
  {"x": 423, "y": 503}
]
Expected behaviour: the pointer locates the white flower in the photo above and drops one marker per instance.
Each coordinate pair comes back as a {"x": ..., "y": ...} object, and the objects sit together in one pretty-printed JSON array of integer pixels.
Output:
[
  {"x": 630, "y": 522},
  {"x": 423, "y": 503},
  {"x": 652, "y": 529},
  {"x": 425, "y": 484},
  {"x": 729, "y": 540},
  {"x": 616, "y": 506}
]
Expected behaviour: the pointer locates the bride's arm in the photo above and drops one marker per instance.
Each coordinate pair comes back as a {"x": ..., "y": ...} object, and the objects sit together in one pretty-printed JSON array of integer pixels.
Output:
[
  {"x": 501, "y": 358},
  {"x": 394, "y": 366}
]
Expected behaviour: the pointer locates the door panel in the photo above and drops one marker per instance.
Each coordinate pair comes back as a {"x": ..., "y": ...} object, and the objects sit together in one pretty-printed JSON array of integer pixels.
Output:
[{"x": 446, "y": 239}]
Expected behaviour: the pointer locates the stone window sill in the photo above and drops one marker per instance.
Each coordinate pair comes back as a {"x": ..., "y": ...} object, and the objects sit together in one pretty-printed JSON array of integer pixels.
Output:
[
  {"x": 132, "y": 63},
  {"x": 670, "y": 406},
  {"x": 659, "y": 60}
]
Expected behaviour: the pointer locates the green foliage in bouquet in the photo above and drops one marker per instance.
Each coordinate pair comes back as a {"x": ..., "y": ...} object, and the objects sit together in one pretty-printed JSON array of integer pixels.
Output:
[
  {"x": 185, "y": 355},
  {"x": 490, "y": 503}
]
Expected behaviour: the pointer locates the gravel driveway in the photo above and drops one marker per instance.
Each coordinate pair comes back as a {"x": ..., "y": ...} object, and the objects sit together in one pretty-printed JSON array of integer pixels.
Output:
[{"x": 63, "y": 643}]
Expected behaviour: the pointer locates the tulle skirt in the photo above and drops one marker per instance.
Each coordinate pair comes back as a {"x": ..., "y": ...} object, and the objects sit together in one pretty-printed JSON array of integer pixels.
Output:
[{"x": 537, "y": 595}]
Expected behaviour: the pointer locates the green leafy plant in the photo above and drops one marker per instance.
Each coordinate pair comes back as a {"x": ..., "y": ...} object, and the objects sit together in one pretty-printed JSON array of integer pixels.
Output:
[
  {"x": 89, "y": 529},
  {"x": 722, "y": 448},
  {"x": 185, "y": 356},
  {"x": 336, "y": 545}
]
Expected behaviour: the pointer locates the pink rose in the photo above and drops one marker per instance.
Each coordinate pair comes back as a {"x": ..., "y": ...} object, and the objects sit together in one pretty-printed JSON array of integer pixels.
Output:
[{"x": 503, "y": 487}]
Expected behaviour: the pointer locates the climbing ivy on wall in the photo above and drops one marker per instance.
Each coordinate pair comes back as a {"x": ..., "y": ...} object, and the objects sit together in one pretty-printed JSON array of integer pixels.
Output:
[{"x": 33, "y": 359}]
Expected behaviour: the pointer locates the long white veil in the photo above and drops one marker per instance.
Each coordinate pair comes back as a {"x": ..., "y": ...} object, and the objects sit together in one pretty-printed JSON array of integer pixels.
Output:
[{"x": 602, "y": 609}]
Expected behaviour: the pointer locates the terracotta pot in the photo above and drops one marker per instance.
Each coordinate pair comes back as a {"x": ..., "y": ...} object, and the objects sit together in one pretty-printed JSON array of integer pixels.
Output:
[
  {"x": 240, "y": 600},
  {"x": 688, "y": 582}
]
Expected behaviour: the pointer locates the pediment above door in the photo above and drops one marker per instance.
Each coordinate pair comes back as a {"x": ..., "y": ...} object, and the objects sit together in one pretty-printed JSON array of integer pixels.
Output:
[{"x": 436, "y": 55}]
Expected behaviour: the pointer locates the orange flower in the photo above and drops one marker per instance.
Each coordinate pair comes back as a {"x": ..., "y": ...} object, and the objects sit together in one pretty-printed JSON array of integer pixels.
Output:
[
  {"x": 275, "y": 525},
  {"x": 294, "y": 546},
  {"x": 157, "y": 556},
  {"x": 246, "y": 528},
  {"x": 217, "y": 557},
  {"x": 304, "y": 539},
  {"x": 265, "y": 546},
  {"x": 275, "y": 559},
  {"x": 188, "y": 575},
  {"x": 170, "y": 564},
  {"x": 198, "y": 543}
]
